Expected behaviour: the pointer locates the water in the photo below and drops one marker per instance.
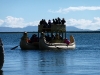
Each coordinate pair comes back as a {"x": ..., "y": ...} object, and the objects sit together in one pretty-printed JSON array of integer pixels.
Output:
[{"x": 83, "y": 60}]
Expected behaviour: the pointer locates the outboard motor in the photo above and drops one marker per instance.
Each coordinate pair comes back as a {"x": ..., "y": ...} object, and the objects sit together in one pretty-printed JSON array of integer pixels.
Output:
[{"x": 1, "y": 54}]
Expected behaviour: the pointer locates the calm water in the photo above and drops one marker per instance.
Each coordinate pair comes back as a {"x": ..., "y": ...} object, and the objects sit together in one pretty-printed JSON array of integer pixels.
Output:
[{"x": 84, "y": 60}]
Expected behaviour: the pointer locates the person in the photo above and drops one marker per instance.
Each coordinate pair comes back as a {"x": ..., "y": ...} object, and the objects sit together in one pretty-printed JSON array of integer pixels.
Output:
[
  {"x": 34, "y": 38},
  {"x": 25, "y": 37},
  {"x": 67, "y": 41},
  {"x": 41, "y": 22},
  {"x": 63, "y": 21},
  {"x": 59, "y": 20},
  {"x": 49, "y": 23},
  {"x": 45, "y": 24},
  {"x": 54, "y": 22}
]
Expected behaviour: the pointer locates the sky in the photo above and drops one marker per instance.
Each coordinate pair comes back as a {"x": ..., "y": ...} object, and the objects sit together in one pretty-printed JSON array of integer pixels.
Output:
[{"x": 84, "y": 14}]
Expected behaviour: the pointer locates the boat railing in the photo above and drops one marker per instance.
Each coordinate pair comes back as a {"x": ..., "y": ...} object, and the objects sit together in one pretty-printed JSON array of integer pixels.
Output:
[{"x": 52, "y": 28}]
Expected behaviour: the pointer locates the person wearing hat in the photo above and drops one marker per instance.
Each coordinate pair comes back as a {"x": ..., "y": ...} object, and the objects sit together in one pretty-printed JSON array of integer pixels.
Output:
[{"x": 25, "y": 37}]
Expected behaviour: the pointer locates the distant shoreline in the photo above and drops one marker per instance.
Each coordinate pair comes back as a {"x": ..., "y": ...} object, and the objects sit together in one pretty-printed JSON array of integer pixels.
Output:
[{"x": 66, "y": 32}]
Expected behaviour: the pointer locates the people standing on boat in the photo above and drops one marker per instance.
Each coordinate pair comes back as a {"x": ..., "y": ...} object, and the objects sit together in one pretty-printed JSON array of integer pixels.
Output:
[
  {"x": 45, "y": 24},
  {"x": 67, "y": 41},
  {"x": 59, "y": 20},
  {"x": 41, "y": 22},
  {"x": 49, "y": 23},
  {"x": 63, "y": 21},
  {"x": 25, "y": 37},
  {"x": 54, "y": 22}
]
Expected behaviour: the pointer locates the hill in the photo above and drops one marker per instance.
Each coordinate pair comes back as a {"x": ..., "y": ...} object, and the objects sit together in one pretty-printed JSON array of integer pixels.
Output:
[{"x": 35, "y": 29}]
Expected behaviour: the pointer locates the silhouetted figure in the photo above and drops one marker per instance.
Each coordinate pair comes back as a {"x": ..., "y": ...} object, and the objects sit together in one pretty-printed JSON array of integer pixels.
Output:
[
  {"x": 34, "y": 38},
  {"x": 63, "y": 21},
  {"x": 54, "y": 22},
  {"x": 45, "y": 25},
  {"x": 49, "y": 23},
  {"x": 59, "y": 20},
  {"x": 41, "y": 22}
]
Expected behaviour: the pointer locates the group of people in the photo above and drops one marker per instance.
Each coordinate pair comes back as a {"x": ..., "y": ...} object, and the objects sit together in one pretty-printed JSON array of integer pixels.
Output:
[
  {"x": 54, "y": 21},
  {"x": 34, "y": 38},
  {"x": 45, "y": 24},
  {"x": 59, "y": 21},
  {"x": 53, "y": 37}
]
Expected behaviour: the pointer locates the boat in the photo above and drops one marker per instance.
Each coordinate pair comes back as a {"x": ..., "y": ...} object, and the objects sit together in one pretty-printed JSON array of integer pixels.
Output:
[
  {"x": 1, "y": 54},
  {"x": 25, "y": 45},
  {"x": 44, "y": 45},
  {"x": 51, "y": 36}
]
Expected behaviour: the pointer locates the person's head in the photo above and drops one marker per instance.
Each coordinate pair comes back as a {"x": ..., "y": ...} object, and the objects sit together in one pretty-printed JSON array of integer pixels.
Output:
[{"x": 25, "y": 33}]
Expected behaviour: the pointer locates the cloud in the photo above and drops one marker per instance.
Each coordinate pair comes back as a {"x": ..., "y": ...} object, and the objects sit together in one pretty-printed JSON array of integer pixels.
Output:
[
  {"x": 79, "y": 8},
  {"x": 1, "y": 22},
  {"x": 79, "y": 23},
  {"x": 16, "y": 22},
  {"x": 84, "y": 24}
]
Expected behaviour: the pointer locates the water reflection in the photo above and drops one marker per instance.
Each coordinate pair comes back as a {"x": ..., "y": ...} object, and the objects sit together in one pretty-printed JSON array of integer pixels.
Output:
[
  {"x": 52, "y": 62},
  {"x": 25, "y": 60}
]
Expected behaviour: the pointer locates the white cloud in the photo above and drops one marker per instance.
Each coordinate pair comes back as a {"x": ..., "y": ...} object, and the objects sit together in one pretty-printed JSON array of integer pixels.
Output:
[
  {"x": 1, "y": 22},
  {"x": 79, "y": 23},
  {"x": 16, "y": 22},
  {"x": 84, "y": 24},
  {"x": 79, "y": 8}
]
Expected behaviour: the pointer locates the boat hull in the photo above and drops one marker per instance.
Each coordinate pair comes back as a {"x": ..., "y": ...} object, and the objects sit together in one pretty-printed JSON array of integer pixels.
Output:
[
  {"x": 43, "y": 45},
  {"x": 28, "y": 46},
  {"x": 54, "y": 46}
]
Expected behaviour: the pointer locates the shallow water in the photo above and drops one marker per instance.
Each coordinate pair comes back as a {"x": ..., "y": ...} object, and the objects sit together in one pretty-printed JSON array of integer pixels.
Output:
[{"x": 83, "y": 60}]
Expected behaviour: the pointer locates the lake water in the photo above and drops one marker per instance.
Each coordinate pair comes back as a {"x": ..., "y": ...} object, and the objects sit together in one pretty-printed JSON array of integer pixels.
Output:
[{"x": 83, "y": 60}]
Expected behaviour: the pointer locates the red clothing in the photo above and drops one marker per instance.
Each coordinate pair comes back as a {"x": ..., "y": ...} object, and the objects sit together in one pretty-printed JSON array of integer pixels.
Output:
[{"x": 67, "y": 41}]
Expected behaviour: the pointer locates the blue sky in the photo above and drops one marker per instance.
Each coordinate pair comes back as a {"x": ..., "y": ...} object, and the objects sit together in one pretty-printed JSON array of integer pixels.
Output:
[{"x": 84, "y": 14}]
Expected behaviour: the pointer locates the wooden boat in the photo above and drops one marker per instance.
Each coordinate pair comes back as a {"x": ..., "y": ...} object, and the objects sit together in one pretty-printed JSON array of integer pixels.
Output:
[
  {"x": 44, "y": 45},
  {"x": 1, "y": 54},
  {"x": 28, "y": 46},
  {"x": 25, "y": 45},
  {"x": 56, "y": 42}
]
